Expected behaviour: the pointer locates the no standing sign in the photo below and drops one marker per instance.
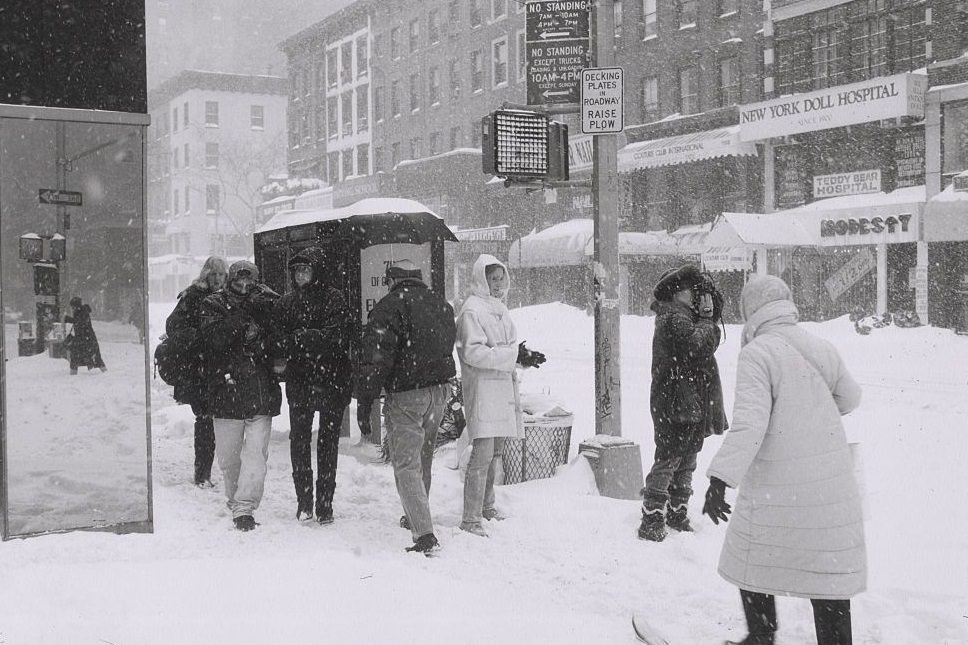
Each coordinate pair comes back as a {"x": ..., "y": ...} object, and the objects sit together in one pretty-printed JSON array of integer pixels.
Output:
[{"x": 602, "y": 100}]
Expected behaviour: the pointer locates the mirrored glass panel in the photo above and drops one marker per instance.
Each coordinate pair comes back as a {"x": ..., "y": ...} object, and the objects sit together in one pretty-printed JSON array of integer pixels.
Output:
[{"x": 75, "y": 413}]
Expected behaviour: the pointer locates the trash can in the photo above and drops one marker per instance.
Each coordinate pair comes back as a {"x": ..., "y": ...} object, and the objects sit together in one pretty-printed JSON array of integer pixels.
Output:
[
  {"x": 546, "y": 443},
  {"x": 26, "y": 339},
  {"x": 55, "y": 340}
]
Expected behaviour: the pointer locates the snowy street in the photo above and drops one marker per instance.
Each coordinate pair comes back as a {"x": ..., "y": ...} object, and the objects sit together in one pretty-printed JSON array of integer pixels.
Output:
[{"x": 566, "y": 566}]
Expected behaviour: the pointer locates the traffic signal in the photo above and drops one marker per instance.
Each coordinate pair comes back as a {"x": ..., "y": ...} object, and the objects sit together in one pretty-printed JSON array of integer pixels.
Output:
[{"x": 515, "y": 143}]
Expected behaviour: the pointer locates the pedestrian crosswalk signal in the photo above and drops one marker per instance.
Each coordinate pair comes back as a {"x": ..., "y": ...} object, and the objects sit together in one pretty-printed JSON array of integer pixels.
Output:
[{"x": 515, "y": 143}]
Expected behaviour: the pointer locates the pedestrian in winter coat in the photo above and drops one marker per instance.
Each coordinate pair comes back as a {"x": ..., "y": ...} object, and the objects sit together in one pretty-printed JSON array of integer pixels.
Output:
[
  {"x": 314, "y": 330},
  {"x": 686, "y": 398},
  {"x": 407, "y": 350},
  {"x": 185, "y": 320},
  {"x": 244, "y": 391},
  {"x": 84, "y": 349},
  {"x": 487, "y": 347},
  {"x": 798, "y": 528}
]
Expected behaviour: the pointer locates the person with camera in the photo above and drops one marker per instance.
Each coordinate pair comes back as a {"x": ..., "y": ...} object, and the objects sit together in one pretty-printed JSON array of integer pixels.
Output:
[
  {"x": 243, "y": 388},
  {"x": 686, "y": 398},
  {"x": 489, "y": 354}
]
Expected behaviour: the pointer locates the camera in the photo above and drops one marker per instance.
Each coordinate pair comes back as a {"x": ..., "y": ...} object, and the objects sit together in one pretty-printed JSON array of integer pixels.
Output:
[{"x": 707, "y": 301}]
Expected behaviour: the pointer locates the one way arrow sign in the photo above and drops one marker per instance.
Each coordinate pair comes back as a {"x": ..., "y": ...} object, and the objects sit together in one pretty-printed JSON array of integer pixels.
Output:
[{"x": 60, "y": 197}]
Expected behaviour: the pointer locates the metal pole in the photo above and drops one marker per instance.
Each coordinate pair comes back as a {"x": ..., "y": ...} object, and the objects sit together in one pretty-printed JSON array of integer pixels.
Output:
[{"x": 605, "y": 189}]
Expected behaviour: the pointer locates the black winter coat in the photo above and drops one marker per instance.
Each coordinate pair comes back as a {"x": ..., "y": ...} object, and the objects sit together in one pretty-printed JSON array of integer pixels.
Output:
[
  {"x": 235, "y": 331},
  {"x": 184, "y": 321},
  {"x": 408, "y": 342},
  {"x": 683, "y": 347},
  {"x": 315, "y": 332},
  {"x": 84, "y": 349}
]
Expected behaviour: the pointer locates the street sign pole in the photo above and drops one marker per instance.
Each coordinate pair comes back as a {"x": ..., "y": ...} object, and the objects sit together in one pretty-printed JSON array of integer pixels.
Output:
[{"x": 605, "y": 189}]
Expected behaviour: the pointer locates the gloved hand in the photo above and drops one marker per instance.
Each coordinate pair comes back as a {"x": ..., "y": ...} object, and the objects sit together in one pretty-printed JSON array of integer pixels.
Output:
[
  {"x": 537, "y": 358},
  {"x": 716, "y": 506},
  {"x": 705, "y": 305},
  {"x": 363, "y": 410},
  {"x": 529, "y": 358}
]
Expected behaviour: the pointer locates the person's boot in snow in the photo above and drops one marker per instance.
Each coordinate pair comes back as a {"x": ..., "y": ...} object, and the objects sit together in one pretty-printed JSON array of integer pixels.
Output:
[
  {"x": 245, "y": 522},
  {"x": 652, "y": 527},
  {"x": 473, "y": 527},
  {"x": 677, "y": 518},
  {"x": 760, "y": 611},
  {"x": 831, "y": 618},
  {"x": 425, "y": 544},
  {"x": 492, "y": 514},
  {"x": 404, "y": 522},
  {"x": 303, "y": 482},
  {"x": 324, "y": 514}
]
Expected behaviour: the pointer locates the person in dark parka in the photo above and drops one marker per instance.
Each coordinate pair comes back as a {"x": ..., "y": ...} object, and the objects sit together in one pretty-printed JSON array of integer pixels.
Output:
[
  {"x": 244, "y": 390},
  {"x": 184, "y": 320},
  {"x": 688, "y": 308},
  {"x": 314, "y": 331},
  {"x": 84, "y": 348}
]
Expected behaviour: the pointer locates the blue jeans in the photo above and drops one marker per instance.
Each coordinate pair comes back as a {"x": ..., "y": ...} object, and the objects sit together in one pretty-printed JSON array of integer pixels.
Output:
[
  {"x": 670, "y": 480},
  {"x": 479, "y": 480},
  {"x": 242, "y": 448},
  {"x": 412, "y": 421}
]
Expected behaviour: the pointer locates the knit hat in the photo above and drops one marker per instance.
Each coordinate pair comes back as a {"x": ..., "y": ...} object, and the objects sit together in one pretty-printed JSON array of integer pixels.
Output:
[
  {"x": 243, "y": 266},
  {"x": 675, "y": 280},
  {"x": 761, "y": 290},
  {"x": 403, "y": 269}
]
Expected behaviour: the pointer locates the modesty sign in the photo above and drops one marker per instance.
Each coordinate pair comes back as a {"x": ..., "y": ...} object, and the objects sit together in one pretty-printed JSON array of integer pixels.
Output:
[{"x": 602, "y": 100}]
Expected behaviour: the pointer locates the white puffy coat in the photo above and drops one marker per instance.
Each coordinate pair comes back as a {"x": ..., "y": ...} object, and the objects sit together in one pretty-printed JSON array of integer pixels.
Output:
[
  {"x": 487, "y": 347},
  {"x": 797, "y": 527}
]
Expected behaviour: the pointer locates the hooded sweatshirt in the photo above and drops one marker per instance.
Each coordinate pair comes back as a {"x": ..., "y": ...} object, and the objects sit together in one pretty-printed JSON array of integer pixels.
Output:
[{"x": 487, "y": 347}]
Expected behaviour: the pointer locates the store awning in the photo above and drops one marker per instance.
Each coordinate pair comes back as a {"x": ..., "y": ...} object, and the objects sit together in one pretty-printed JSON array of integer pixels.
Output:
[
  {"x": 758, "y": 229},
  {"x": 946, "y": 216},
  {"x": 670, "y": 151}
]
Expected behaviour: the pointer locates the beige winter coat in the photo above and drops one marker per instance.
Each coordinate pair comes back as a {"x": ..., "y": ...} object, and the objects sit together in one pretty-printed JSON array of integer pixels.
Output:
[
  {"x": 487, "y": 347},
  {"x": 797, "y": 527}
]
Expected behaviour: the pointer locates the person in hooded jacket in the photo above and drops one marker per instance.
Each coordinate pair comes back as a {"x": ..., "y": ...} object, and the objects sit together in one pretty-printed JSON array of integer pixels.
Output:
[
  {"x": 84, "y": 348},
  {"x": 798, "y": 526},
  {"x": 408, "y": 350},
  {"x": 489, "y": 353},
  {"x": 687, "y": 308},
  {"x": 243, "y": 387},
  {"x": 185, "y": 320},
  {"x": 314, "y": 332}
]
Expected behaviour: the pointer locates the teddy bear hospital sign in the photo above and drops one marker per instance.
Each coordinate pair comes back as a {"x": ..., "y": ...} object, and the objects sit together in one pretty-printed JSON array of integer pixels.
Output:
[{"x": 872, "y": 100}]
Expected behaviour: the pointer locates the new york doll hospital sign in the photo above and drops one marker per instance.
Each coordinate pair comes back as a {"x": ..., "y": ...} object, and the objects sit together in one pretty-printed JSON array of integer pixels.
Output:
[{"x": 886, "y": 97}]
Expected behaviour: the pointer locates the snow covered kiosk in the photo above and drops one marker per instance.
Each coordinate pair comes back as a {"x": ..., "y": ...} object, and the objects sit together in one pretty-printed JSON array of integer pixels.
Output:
[{"x": 72, "y": 176}]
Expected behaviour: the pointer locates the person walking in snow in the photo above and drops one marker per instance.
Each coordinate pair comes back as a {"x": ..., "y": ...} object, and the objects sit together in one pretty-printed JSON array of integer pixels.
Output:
[
  {"x": 798, "y": 528},
  {"x": 314, "y": 330},
  {"x": 84, "y": 349},
  {"x": 686, "y": 398},
  {"x": 244, "y": 390},
  {"x": 489, "y": 353},
  {"x": 407, "y": 350},
  {"x": 185, "y": 321}
]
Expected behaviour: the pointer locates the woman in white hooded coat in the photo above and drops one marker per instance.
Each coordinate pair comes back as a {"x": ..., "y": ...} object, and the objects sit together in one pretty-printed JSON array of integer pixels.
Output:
[
  {"x": 798, "y": 528},
  {"x": 487, "y": 346}
]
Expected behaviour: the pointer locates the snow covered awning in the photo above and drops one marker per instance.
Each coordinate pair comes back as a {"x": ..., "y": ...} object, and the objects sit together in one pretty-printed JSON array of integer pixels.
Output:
[
  {"x": 946, "y": 214},
  {"x": 670, "y": 151}
]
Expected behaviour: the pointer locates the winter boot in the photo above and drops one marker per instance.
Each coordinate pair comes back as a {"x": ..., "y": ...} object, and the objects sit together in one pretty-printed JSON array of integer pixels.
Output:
[
  {"x": 424, "y": 544},
  {"x": 652, "y": 527},
  {"x": 492, "y": 514},
  {"x": 760, "y": 611},
  {"x": 245, "y": 522},
  {"x": 831, "y": 618},
  {"x": 324, "y": 516},
  {"x": 474, "y": 528},
  {"x": 677, "y": 518},
  {"x": 303, "y": 481}
]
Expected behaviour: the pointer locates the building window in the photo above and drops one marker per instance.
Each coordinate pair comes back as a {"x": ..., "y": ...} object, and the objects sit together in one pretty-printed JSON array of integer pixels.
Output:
[
  {"x": 379, "y": 158},
  {"x": 869, "y": 48},
  {"x": 454, "y": 138},
  {"x": 362, "y": 109},
  {"x": 727, "y": 7},
  {"x": 476, "y": 17},
  {"x": 211, "y": 155},
  {"x": 174, "y": 119},
  {"x": 395, "y": 98},
  {"x": 347, "y": 158},
  {"x": 379, "y": 103},
  {"x": 320, "y": 79},
  {"x": 415, "y": 148},
  {"x": 212, "y": 199},
  {"x": 686, "y": 11},
  {"x": 175, "y": 201},
  {"x": 185, "y": 113},
  {"x": 499, "y": 62},
  {"x": 346, "y": 63},
  {"x": 332, "y": 70},
  {"x": 332, "y": 167},
  {"x": 522, "y": 56},
  {"x": 650, "y": 97},
  {"x": 414, "y": 92},
  {"x": 319, "y": 122},
  {"x": 910, "y": 39},
  {"x": 362, "y": 57},
  {"x": 434, "y": 144},
  {"x": 729, "y": 83},
  {"x": 188, "y": 205},
  {"x": 414, "y": 35},
  {"x": 476, "y": 134},
  {"x": 689, "y": 90},
  {"x": 395, "y": 43},
  {"x": 433, "y": 26},
  {"x": 394, "y": 154},
  {"x": 332, "y": 117},
  {"x": 363, "y": 160},
  {"x": 257, "y": 117},
  {"x": 347, "y": 109},
  {"x": 477, "y": 72},
  {"x": 185, "y": 156},
  {"x": 828, "y": 69},
  {"x": 211, "y": 114},
  {"x": 454, "y": 79},
  {"x": 453, "y": 11},
  {"x": 650, "y": 19},
  {"x": 499, "y": 9},
  {"x": 434, "y": 86},
  {"x": 174, "y": 158}
]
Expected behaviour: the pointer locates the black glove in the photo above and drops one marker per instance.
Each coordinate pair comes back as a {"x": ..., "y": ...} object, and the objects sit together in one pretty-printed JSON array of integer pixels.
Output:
[
  {"x": 363, "y": 410},
  {"x": 716, "y": 506},
  {"x": 536, "y": 358},
  {"x": 522, "y": 354},
  {"x": 528, "y": 357}
]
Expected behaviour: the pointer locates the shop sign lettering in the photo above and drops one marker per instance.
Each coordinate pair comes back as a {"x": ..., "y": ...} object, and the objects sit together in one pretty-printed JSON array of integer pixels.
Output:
[
  {"x": 865, "y": 225},
  {"x": 848, "y": 183},
  {"x": 845, "y": 277}
]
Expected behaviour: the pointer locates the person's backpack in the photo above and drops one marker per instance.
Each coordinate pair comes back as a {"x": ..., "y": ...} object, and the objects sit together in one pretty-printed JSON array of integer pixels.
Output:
[{"x": 177, "y": 358}]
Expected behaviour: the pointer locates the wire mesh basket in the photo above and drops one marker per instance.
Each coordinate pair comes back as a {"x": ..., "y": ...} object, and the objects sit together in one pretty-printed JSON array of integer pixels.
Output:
[{"x": 545, "y": 446}]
